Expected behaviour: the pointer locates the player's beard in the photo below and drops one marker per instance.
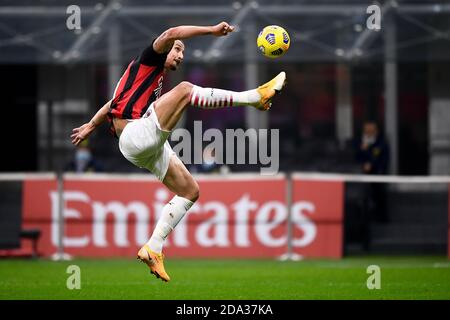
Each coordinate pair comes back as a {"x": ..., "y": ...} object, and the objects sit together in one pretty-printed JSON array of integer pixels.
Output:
[
  {"x": 174, "y": 66},
  {"x": 171, "y": 66}
]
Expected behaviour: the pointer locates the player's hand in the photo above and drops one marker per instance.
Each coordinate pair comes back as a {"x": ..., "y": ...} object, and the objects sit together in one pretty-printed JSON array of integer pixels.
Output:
[
  {"x": 81, "y": 133},
  {"x": 221, "y": 29}
]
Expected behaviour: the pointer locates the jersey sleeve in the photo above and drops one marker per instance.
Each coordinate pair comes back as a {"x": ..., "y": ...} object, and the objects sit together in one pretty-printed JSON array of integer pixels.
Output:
[{"x": 150, "y": 57}]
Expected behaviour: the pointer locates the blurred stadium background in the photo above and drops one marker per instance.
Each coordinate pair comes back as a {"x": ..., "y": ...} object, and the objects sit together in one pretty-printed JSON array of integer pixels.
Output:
[{"x": 340, "y": 75}]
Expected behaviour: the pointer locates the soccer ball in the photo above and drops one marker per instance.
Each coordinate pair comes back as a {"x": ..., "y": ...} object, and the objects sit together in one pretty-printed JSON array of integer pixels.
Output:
[{"x": 273, "y": 41}]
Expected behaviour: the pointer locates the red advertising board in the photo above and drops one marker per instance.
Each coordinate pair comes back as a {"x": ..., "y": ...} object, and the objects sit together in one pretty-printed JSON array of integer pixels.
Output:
[
  {"x": 235, "y": 217},
  {"x": 317, "y": 215}
]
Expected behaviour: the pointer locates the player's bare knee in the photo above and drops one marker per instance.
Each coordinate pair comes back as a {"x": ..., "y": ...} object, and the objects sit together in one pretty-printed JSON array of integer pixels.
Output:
[
  {"x": 193, "y": 191},
  {"x": 185, "y": 88},
  {"x": 196, "y": 192}
]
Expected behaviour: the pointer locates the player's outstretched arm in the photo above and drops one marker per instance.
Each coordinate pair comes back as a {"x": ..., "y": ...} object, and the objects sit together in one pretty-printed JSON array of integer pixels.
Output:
[
  {"x": 165, "y": 41},
  {"x": 83, "y": 132}
]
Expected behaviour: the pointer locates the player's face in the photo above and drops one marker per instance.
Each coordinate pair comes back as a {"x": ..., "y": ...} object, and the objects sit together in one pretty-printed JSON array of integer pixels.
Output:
[{"x": 175, "y": 56}]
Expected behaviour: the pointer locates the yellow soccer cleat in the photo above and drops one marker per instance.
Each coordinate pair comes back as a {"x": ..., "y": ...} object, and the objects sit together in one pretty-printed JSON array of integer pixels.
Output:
[
  {"x": 155, "y": 261},
  {"x": 269, "y": 89}
]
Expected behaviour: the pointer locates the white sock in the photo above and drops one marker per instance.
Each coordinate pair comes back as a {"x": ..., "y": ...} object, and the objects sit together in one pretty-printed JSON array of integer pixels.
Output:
[
  {"x": 212, "y": 98},
  {"x": 172, "y": 213}
]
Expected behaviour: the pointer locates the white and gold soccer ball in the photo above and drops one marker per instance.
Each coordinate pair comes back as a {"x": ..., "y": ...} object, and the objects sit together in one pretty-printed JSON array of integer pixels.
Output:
[{"x": 273, "y": 41}]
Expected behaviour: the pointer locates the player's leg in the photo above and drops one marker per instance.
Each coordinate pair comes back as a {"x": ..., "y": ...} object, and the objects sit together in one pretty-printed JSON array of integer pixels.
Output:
[
  {"x": 168, "y": 110},
  {"x": 171, "y": 105},
  {"x": 179, "y": 181}
]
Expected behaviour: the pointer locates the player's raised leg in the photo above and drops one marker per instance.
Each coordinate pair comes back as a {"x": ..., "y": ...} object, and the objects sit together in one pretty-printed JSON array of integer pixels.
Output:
[
  {"x": 179, "y": 181},
  {"x": 171, "y": 105},
  {"x": 169, "y": 108}
]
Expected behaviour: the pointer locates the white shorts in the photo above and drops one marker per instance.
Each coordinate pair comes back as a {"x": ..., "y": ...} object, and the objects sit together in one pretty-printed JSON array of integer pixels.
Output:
[{"x": 145, "y": 144}]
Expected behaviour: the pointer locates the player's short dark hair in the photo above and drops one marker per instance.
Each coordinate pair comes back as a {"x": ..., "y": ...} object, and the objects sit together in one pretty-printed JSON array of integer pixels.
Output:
[{"x": 180, "y": 41}]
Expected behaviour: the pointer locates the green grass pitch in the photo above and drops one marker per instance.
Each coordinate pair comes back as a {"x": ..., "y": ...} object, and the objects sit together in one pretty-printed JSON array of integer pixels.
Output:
[{"x": 401, "y": 278}]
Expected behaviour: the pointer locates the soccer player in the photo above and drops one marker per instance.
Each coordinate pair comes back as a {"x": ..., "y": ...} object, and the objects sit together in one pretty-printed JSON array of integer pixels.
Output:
[{"x": 142, "y": 120}]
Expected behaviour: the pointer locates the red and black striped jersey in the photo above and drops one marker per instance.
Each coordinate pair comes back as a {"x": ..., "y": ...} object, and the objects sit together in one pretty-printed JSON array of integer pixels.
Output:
[{"x": 139, "y": 86}]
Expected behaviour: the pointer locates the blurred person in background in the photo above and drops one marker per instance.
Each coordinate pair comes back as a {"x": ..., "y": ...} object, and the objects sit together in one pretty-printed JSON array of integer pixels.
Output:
[
  {"x": 372, "y": 150},
  {"x": 142, "y": 119},
  {"x": 372, "y": 155},
  {"x": 83, "y": 160},
  {"x": 210, "y": 163}
]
